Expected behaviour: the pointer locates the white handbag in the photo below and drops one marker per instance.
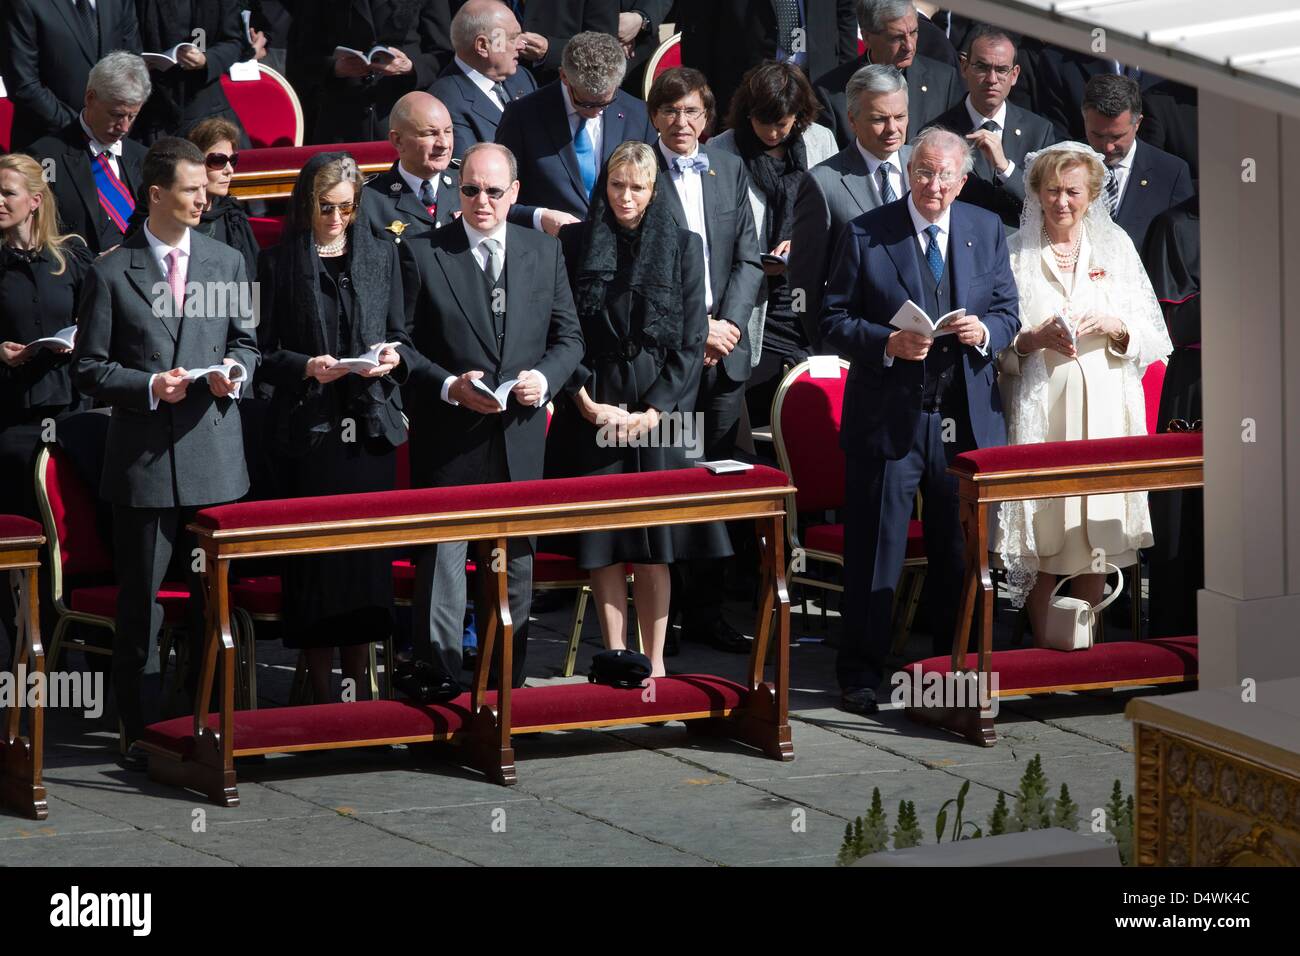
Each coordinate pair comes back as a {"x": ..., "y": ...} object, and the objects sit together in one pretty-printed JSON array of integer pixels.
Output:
[{"x": 1070, "y": 620}]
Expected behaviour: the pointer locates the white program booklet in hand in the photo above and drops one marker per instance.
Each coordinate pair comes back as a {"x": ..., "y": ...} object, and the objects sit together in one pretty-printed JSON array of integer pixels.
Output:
[
  {"x": 725, "y": 466},
  {"x": 1067, "y": 327},
  {"x": 367, "y": 361},
  {"x": 62, "y": 339},
  {"x": 376, "y": 55},
  {"x": 231, "y": 373},
  {"x": 910, "y": 317},
  {"x": 501, "y": 395},
  {"x": 166, "y": 60}
]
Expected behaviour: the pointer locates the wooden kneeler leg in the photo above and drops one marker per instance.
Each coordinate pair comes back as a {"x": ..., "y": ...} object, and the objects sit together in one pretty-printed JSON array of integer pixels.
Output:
[
  {"x": 210, "y": 768},
  {"x": 21, "y": 786},
  {"x": 487, "y": 741}
]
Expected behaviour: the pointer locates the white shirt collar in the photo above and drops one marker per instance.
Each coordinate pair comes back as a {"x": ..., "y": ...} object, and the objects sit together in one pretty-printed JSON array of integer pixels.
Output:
[
  {"x": 475, "y": 77},
  {"x": 415, "y": 181},
  {"x": 569, "y": 107},
  {"x": 920, "y": 223},
  {"x": 476, "y": 237},
  {"x": 96, "y": 147},
  {"x": 874, "y": 162},
  {"x": 670, "y": 155},
  {"x": 161, "y": 249},
  {"x": 1000, "y": 117}
]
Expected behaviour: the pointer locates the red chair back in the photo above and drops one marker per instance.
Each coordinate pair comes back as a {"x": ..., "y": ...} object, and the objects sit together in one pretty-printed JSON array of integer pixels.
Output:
[
  {"x": 667, "y": 56},
  {"x": 267, "y": 230},
  {"x": 1153, "y": 382},
  {"x": 806, "y": 415},
  {"x": 68, "y": 509},
  {"x": 6, "y": 123},
  {"x": 268, "y": 108}
]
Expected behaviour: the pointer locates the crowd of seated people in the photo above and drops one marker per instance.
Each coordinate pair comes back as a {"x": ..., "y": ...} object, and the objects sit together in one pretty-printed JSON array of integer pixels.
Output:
[{"x": 603, "y": 261}]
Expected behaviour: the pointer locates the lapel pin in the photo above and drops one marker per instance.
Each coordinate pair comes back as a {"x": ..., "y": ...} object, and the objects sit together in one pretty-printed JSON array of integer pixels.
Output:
[
  {"x": 1017, "y": 132},
  {"x": 446, "y": 180},
  {"x": 968, "y": 243},
  {"x": 397, "y": 227},
  {"x": 712, "y": 173},
  {"x": 1143, "y": 183},
  {"x": 395, "y": 188},
  {"x": 620, "y": 115}
]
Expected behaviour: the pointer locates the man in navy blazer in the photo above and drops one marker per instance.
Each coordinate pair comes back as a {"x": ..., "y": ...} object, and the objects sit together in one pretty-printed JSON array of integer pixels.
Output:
[
  {"x": 484, "y": 76},
  {"x": 1142, "y": 180},
  {"x": 564, "y": 133},
  {"x": 912, "y": 403}
]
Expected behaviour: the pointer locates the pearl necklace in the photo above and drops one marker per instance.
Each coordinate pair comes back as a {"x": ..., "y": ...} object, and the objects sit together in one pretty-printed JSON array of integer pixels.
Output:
[
  {"x": 333, "y": 248},
  {"x": 1065, "y": 261}
]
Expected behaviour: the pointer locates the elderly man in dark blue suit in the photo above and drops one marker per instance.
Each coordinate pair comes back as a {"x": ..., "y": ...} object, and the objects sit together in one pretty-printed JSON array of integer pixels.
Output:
[
  {"x": 912, "y": 402},
  {"x": 564, "y": 133}
]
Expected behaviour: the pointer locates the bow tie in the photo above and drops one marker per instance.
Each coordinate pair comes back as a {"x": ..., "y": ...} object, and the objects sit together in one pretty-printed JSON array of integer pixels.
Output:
[{"x": 699, "y": 162}]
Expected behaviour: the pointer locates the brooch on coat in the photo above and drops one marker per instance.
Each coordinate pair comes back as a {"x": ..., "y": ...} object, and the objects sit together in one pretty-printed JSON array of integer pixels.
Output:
[
  {"x": 1095, "y": 274},
  {"x": 397, "y": 227}
]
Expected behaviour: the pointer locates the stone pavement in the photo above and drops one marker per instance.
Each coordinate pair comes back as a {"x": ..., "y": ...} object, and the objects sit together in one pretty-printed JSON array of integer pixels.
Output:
[{"x": 624, "y": 796}]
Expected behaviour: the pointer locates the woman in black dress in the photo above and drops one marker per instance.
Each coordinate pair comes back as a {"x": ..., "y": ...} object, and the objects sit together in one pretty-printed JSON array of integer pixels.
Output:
[
  {"x": 225, "y": 219},
  {"x": 638, "y": 283},
  {"x": 41, "y": 273},
  {"x": 330, "y": 290}
]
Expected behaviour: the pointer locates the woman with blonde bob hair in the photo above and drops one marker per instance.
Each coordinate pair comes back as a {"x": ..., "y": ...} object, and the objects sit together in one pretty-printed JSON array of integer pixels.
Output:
[
  {"x": 638, "y": 285},
  {"x": 1091, "y": 325},
  {"x": 41, "y": 274}
]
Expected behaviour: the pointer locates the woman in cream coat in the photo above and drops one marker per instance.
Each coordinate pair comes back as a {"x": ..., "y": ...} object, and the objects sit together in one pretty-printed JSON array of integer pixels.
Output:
[{"x": 1091, "y": 325}]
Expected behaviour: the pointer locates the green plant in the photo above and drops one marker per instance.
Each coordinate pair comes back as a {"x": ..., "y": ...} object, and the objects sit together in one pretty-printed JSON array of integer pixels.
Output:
[
  {"x": 907, "y": 832},
  {"x": 958, "y": 826},
  {"x": 998, "y": 821},
  {"x": 1066, "y": 812},
  {"x": 1032, "y": 811},
  {"x": 876, "y": 826}
]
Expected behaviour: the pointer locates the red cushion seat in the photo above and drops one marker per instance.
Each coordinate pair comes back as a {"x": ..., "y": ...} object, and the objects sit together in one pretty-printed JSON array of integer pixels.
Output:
[
  {"x": 258, "y": 595},
  {"x": 1033, "y": 669},
  {"x": 517, "y": 494},
  {"x": 1071, "y": 454},
  {"x": 830, "y": 538},
  {"x": 533, "y": 709},
  {"x": 295, "y": 157},
  {"x": 13, "y": 526},
  {"x": 102, "y": 600}
]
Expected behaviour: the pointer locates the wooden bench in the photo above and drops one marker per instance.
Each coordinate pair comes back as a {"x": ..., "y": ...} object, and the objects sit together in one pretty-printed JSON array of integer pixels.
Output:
[
  {"x": 270, "y": 173},
  {"x": 198, "y": 752},
  {"x": 990, "y": 476},
  {"x": 20, "y": 756}
]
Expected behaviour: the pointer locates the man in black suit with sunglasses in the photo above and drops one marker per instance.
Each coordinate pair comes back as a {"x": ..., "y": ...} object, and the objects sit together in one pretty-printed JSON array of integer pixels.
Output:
[{"x": 486, "y": 300}]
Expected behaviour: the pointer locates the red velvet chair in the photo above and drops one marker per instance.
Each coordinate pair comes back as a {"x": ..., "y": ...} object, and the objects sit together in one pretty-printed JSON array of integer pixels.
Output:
[
  {"x": 1153, "y": 383},
  {"x": 667, "y": 56},
  {"x": 268, "y": 108},
  {"x": 6, "y": 123},
  {"x": 270, "y": 173},
  {"x": 267, "y": 230},
  {"x": 806, "y": 431}
]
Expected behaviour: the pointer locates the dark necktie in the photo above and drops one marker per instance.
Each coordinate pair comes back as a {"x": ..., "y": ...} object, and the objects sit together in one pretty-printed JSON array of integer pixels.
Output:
[
  {"x": 427, "y": 198},
  {"x": 932, "y": 255},
  {"x": 991, "y": 126},
  {"x": 501, "y": 93},
  {"x": 887, "y": 193},
  {"x": 1112, "y": 191},
  {"x": 787, "y": 22},
  {"x": 91, "y": 21}
]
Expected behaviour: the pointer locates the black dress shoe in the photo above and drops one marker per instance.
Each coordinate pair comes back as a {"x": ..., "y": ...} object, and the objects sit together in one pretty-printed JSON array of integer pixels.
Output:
[
  {"x": 136, "y": 759},
  {"x": 719, "y": 635},
  {"x": 469, "y": 658},
  {"x": 859, "y": 700},
  {"x": 419, "y": 681}
]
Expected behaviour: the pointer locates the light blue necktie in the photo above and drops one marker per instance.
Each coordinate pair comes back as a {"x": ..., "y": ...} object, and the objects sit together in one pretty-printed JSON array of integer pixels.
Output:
[
  {"x": 586, "y": 150},
  {"x": 932, "y": 253}
]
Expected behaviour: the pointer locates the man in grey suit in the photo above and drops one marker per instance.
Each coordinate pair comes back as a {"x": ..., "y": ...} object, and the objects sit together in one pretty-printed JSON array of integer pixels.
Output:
[
  {"x": 1001, "y": 132},
  {"x": 421, "y": 191},
  {"x": 868, "y": 174},
  {"x": 165, "y": 301},
  {"x": 710, "y": 197},
  {"x": 890, "y": 30}
]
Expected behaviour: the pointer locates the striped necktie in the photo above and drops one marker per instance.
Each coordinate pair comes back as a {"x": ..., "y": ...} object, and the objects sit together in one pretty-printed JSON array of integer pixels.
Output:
[
  {"x": 887, "y": 193},
  {"x": 1112, "y": 191},
  {"x": 114, "y": 198}
]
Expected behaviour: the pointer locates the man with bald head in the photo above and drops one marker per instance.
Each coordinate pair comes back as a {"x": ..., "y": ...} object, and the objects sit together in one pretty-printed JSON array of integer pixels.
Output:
[
  {"x": 421, "y": 192},
  {"x": 912, "y": 402},
  {"x": 484, "y": 76}
]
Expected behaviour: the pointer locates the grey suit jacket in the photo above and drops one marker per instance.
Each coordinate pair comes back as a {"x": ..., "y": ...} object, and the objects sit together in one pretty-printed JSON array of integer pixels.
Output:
[
  {"x": 388, "y": 199},
  {"x": 932, "y": 88},
  {"x": 831, "y": 196},
  {"x": 735, "y": 269},
  {"x": 185, "y": 454}
]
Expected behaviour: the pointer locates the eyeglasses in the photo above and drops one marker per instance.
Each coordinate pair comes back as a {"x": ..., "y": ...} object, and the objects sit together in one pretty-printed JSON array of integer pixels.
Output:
[
  {"x": 216, "y": 161},
  {"x": 1182, "y": 425},
  {"x": 469, "y": 191},
  {"x": 981, "y": 68},
  {"x": 579, "y": 104},
  {"x": 691, "y": 113},
  {"x": 946, "y": 178},
  {"x": 345, "y": 209}
]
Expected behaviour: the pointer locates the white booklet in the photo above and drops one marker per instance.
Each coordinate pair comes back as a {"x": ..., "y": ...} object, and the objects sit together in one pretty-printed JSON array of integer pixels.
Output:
[
  {"x": 168, "y": 59},
  {"x": 910, "y": 317},
  {"x": 62, "y": 339},
  {"x": 1066, "y": 326},
  {"x": 367, "y": 361},
  {"x": 377, "y": 54},
  {"x": 501, "y": 395},
  {"x": 231, "y": 373},
  {"x": 725, "y": 466}
]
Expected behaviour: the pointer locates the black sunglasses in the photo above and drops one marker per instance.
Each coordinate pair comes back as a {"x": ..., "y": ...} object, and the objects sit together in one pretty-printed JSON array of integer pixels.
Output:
[
  {"x": 469, "y": 191},
  {"x": 215, "y": 161},
  {"x": 1181, "y": 425}
]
